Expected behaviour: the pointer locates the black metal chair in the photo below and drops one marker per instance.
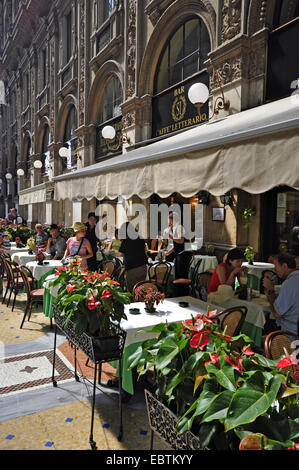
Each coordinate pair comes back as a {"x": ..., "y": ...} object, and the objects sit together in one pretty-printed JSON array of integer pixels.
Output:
[
  {"x": 188, "y": 285},
  {"x": 160, "y": 272}
]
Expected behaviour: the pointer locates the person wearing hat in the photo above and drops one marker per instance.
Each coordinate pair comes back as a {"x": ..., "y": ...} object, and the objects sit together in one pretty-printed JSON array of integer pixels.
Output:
[
  {"x": 90, "y": 234},
  {"x": 78, "y": 245},
  {"x": 227, "y": 271},
  {"x": 56, "y": 243}
]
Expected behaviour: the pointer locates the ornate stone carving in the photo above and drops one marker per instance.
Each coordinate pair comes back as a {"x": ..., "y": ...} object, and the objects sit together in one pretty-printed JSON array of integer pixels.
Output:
[
  {"x": 231, "y": 19},
  {"x": 228, "y": 71},
  {"x": 131, "y": 48},
  {"x": 82, "y": 64}
]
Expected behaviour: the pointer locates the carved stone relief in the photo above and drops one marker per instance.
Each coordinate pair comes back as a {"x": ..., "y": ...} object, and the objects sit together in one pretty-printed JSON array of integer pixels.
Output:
[
  {"x": 231, "y": 19},
  {"x": 131, "y": 48}
]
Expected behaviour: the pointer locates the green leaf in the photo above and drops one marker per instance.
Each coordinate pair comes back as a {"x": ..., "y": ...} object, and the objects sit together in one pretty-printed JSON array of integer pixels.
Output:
[
  {"x": 248, "y": 403},
  {"x": 206, "y": 433},
  {"x": 168, "y": 350},
  {"x": 225, "y": 375},
  {"x": 218, "y": 407}
]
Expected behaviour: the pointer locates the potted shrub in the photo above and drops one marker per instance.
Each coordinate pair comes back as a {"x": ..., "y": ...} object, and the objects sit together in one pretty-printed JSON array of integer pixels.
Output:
[
  {"x": 219, "y": 389},
  {"x": 247, "y": 215},
  {"x": 89, "y": 304},
  {"x": 149, "y": 296},
  {"x": 30, "y": 245},
  {"x": 249, "y": 254}
]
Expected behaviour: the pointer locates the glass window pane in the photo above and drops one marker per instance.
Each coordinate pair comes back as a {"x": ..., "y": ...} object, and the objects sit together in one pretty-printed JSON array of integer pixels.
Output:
[
  {"x": 162, "y": 77},
  {"x": 176, "y": 74},
  {"x": 176, "y": 47},
  {"x": 191, "y": 36},
  {"x": 112, "y": 99},
  {"x": 191, "y": 65}
]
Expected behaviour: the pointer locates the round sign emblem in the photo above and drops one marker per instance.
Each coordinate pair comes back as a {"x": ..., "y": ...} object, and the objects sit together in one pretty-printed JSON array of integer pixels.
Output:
[{"x": 178, "y": 108}]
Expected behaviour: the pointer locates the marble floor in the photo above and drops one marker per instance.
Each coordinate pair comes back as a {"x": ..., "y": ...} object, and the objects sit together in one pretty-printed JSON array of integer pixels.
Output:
[{"x": 34, "y": 415}]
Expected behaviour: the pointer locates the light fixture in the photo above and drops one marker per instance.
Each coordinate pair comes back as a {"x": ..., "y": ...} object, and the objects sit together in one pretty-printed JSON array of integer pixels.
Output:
[
  {"x": 63, "y": 152},
  {"x": 203, "y": 197},
  {"x": 227, "y": 199},
  {"x": 109, "y": 134},
  {"x": 37, "y": 164},
  {"x": 8, "y": 176},
  {"x": 20, "y": 172},
  {"x": 198, "y": 94}
]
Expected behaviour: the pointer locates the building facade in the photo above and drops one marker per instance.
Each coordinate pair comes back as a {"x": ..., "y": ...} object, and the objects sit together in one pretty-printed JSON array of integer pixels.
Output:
[{"x": 69, "y": 68}]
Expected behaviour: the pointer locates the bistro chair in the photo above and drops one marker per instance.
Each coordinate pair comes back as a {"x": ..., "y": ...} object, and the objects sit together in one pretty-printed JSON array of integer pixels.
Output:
[
  {"x": 108, "y": 267},
  {"x": 202, "y": 284},
  {"x": 14, "y": 282},
  {"x": 279, "y": 343},
  {"x": 33, "y": 295},
  {"x": 188, "y": 285},
  {"x": 160, "y": 272},
  {"x": 153, "y": 285},
  {"x": 232, "y": 319}
]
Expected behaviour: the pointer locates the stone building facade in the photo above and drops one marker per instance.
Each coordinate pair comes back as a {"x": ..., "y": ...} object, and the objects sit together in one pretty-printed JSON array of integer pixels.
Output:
[{"x": 70, "y": 67}]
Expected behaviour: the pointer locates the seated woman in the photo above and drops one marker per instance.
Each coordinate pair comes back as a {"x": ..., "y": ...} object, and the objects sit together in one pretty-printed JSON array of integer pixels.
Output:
[{"x": 227, "y": 271}]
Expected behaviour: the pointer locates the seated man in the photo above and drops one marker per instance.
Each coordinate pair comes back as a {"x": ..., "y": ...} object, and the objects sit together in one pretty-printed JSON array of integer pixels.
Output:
[
  {"x": 14, "y": 218},
  {"x": 19, "y": 243},
  {"x": 56, "y": 244},
  {"x": 41, "y": 237},
  {"x": 284, "y": 307}
]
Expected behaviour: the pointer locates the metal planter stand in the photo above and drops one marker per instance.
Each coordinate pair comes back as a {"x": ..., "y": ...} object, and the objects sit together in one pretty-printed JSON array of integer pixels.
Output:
[
  {"x": 97, "y": 351},
  {"x": 163, "y": 422}
]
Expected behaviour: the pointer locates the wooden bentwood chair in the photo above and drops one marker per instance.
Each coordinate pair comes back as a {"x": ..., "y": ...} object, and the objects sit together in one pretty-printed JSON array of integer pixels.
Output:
[
  {"x": 33, "y": 295},
  {"x": 232, "y": 319}
]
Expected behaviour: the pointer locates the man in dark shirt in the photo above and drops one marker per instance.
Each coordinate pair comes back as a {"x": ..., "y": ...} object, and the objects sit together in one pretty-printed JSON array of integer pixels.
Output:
[{"x": 132, "y": 249}]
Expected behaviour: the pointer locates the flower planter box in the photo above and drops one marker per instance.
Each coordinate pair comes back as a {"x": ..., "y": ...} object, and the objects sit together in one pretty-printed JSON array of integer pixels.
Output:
[
  {"x": 105, "y": 348},
  {"x": 163, "y": 422}
]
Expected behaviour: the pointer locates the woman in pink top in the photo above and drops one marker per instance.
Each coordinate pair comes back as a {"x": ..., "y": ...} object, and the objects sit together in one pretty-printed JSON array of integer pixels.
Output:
[
  {"x": 226, "y": 272},
  {"x": 78, "y": 241}
]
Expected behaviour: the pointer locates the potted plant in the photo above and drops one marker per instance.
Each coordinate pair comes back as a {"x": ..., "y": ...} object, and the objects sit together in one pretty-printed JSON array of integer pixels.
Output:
[
  {"x": 249, "y": 254},
  {"x": 90, "y": 304},
  {"x": 219, "y": 388},
  {"x": 247, "y": 215},
  {"x": 149, "y": 296},
  {"x": 40, "y": 256},
  {"x": 31, "y": 245},
  {"x": 209, "y": 249}
]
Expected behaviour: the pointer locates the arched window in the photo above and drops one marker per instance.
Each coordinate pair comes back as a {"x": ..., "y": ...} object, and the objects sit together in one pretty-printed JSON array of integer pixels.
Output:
[
  {"x": 283, "y": 52},
  {"x": 70, "y": 139},
  {"x": 183, "y": 55},
  {"x": 180, "y": 65},
  {"x": 110, "y": 113},
  {"x": 111, "y": 100},
  {"x": 45, "y": 152}
]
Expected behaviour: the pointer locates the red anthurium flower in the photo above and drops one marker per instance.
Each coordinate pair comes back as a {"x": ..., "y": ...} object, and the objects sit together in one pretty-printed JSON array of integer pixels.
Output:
[
  {"x": 225, "y": 337},
  {"x": 237, "y": 363},
  {"x": 214, "y": 360},
  {"x": 247, "y": 351},
  {"x": 296, "y": 447},
  {"x": 200, "y": 340},
  {"x": 296, "y": 376},
  {"x": 196, "y": 327},
  {"x": 113, "y": 282},
  {"x": 106, "y": 294},
  {"x": 70, "y": 287},
  {"x": 288, "y": 361},
  {"x": 92, "y": 304}
]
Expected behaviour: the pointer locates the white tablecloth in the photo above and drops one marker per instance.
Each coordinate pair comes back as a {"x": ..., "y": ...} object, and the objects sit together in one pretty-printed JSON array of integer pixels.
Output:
[
  {"x": 14, "y": 249},
  {"x": 38, "y": 271},
  {"x": 208, "y": 262},
  {"x": 168, "y": 311},
  {"x": 257, "y": 268},
  {"x": 22, "y": 258}
]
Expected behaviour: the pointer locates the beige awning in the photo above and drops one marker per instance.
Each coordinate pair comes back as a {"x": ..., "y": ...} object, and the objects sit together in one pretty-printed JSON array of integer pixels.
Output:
[
  {"x": 254, "y": 150},
  {"x": 33, "y": 195}
]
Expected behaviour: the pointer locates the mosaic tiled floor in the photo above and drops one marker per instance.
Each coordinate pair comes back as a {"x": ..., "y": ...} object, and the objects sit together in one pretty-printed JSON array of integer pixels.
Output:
[
  {"x": 26, "y": 392},
  {"x": 68, "y": 428}
]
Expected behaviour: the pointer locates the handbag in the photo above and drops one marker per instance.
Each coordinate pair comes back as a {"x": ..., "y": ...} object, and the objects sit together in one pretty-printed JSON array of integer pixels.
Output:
[{"x": 70, "y": 257}]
